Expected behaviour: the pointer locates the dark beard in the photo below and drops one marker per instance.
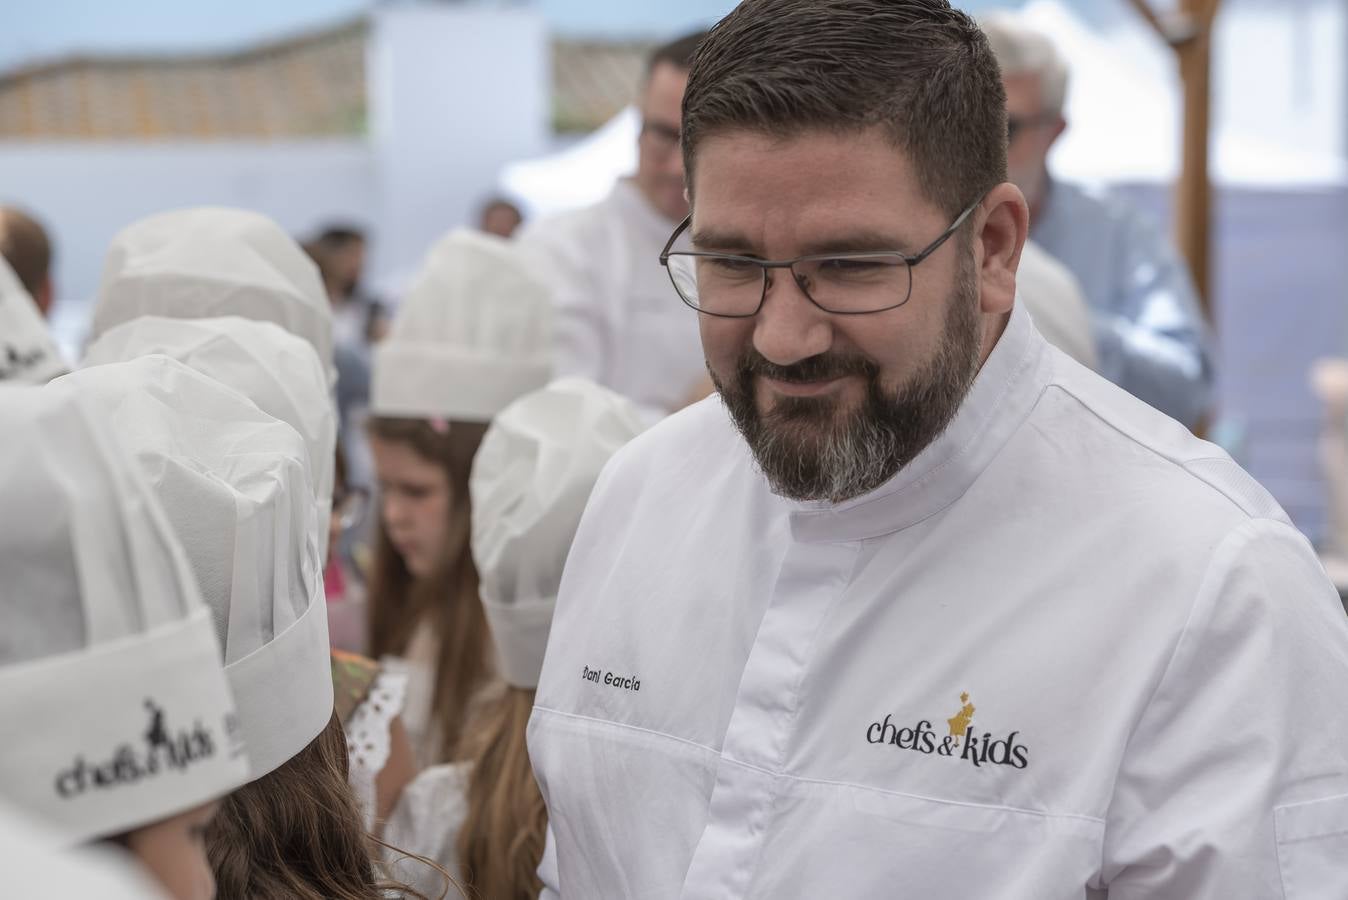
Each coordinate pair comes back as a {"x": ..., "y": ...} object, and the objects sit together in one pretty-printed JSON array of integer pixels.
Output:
[{"x": 809, "y": 451}]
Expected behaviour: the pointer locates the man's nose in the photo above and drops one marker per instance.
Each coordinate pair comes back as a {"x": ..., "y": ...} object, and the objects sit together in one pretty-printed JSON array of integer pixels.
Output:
[{"x": 789, "y": 327}]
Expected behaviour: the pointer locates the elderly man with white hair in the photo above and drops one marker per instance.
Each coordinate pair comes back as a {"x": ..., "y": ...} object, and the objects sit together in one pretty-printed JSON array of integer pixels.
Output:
[{"x": 1150, "y": 337}]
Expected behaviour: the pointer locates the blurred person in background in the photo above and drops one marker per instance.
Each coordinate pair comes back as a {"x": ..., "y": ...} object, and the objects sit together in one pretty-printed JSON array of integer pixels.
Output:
[
  {"x": 483, "y": 819},
  {"x": 499, "y": 217},
  {"x": 1329, "y": 382},
  {"x": 471, "y": 336},
  {"x": 340, "y": 251},
  {"x": 28, "y": 355},
  {"x": 615, "y": 322},
  {"x": 26, "y": 247},
  {"x": 344, "y": 578},
  {"x": 1150, "y": 335},
  {"x": 339, "y": 254}
]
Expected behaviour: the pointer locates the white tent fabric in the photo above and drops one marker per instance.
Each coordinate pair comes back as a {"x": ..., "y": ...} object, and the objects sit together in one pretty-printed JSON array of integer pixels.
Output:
[{"x": 579, "y": 175}]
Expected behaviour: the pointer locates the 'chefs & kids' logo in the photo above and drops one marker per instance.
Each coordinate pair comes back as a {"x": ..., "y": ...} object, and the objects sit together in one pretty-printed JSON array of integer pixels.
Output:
[
  {"x": 161, "y": 750},
  {"x": 962, "y": 742}
]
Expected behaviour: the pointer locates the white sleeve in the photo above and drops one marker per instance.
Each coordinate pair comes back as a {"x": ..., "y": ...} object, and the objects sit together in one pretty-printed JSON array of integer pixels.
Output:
[
  {"x": 1234, "y": 784},
  {"x": 547, "y": 870},
  {"x": 567, "y": 259},
  {"x": 369, "y": 739}
]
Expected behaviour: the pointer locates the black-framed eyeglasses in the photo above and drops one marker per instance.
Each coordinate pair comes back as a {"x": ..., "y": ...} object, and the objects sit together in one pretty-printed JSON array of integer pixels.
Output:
[{"x": 846, "y": 284}]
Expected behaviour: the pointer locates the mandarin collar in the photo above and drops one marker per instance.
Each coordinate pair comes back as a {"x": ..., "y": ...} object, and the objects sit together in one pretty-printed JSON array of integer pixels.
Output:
[{"x": 1004, "y": 392}]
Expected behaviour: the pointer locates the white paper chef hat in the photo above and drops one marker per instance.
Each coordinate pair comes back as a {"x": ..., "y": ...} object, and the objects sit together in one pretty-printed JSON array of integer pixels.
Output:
[
  {"x": 473, "y": 334},
  {"x": 234, "y": 483},
  {"x": 276, "y": 370},
  {"x": 117, "y": 712},
  {"x": 531, "y": 480},
  {"x": 206, "y": 262},
  {"x": 28, "y": 355}
]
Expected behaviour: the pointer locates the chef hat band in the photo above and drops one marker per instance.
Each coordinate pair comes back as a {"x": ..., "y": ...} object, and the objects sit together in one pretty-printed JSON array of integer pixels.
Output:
[
  {"x": 271, "y": 367},
  {"x": 28, "y": 355},
  {"x": 531, "y": 479},
  {"x": 109, "y": 669},
  {"x": 234, "y": 483},
  {"x": 208, "y": 262},
  {"x": 158, "y": 676},
  {"x": 473, "y": 334}
]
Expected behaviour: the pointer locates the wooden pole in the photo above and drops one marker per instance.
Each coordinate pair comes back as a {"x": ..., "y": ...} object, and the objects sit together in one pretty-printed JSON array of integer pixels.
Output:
[
  {"x": 1190, "y": 35},
  {"x": 1193, "y": 194}
]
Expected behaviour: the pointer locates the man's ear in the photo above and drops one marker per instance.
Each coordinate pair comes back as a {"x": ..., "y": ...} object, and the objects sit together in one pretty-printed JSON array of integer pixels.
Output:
[
  {"x": 1001, "y": 229},
  {"x": 1058, "y": 128}
]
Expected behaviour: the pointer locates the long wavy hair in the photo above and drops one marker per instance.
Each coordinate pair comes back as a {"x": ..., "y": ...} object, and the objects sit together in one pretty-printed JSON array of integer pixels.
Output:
[
  {"x": 501, "y": 841},
  {"x": 296, "y": 833},
  {"x": 398, "y": 602}
]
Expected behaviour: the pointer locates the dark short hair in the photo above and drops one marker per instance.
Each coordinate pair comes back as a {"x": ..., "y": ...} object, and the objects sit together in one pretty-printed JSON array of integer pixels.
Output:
[
  {"x": 498, "y": 202},
  {"x": 338, "y": 235},
  {"x": 678, "y": 52},
  {"x": 919, "y": 69},
  {"x": 25, "y": 246}
]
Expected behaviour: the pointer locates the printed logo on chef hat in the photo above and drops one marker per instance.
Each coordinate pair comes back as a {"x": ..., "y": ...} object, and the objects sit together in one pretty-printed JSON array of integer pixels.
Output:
[
  {"x": 99, "y": 613},
  {"x": 28, "y": 355},
  {"x": 208, "y": 262},
  {"x": 276, "y": 370},
  {"x": 474, "y": 333},
  {"x": 235, "y": 485},
  {"x": 163, "y": 750}
]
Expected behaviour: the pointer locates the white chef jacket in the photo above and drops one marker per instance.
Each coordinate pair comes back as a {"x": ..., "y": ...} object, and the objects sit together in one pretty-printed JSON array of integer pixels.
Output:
[
  {"x": 618, "y": 320},
  {"x": 1070, "y": 651}
]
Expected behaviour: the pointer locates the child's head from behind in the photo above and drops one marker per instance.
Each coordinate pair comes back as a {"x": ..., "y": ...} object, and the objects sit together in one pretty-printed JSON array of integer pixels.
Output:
[
  {"x": 295, "y": 833},
  {"x": 109, "y": 667}
]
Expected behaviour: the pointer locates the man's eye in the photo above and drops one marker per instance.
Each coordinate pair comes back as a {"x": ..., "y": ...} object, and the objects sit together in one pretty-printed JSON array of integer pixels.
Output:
[
  {"x": 859, "y": 270},
  {"x": 731, "y": 268},
  {"x": 845, "y": 266}
]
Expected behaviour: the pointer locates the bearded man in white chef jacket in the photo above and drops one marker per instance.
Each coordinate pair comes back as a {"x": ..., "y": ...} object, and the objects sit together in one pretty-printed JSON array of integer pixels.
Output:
[
  {"x": 613, "y": 323},
  {"x": 919, "y": 606}
]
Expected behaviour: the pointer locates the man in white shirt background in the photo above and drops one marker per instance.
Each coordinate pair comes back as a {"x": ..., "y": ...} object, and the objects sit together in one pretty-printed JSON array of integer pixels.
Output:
[
  {"x": 918, "y": 605},
  {"x": 614, "y": 324}
]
